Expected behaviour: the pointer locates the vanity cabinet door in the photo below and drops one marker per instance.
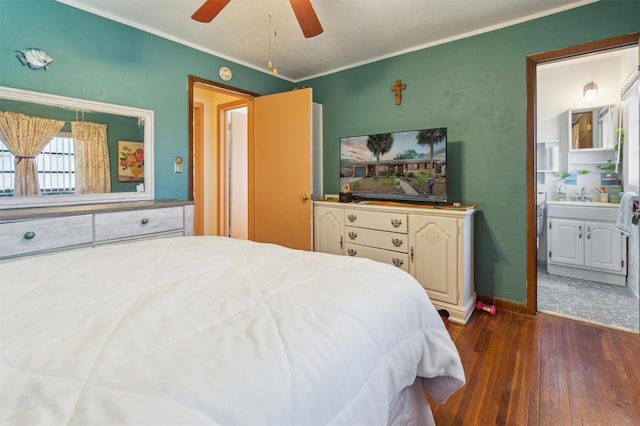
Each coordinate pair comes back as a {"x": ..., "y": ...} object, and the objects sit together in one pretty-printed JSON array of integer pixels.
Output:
[
  {"x": 566, "y": 241},
  {"x": 604, "y": 247}
]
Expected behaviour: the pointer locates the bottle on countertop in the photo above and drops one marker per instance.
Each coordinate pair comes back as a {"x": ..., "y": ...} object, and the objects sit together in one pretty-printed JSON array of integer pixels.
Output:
[{"x": 562, "y": 191}]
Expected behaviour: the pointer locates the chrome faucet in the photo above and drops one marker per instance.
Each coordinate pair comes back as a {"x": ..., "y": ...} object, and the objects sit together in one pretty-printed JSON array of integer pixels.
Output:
[{"x": 583, "y": 195}]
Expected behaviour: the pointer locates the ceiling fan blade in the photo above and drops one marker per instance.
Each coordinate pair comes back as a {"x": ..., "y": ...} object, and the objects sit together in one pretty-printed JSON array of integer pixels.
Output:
[
  {"x": 209, "y": 10},
  {"x": 307, "y": 17}
]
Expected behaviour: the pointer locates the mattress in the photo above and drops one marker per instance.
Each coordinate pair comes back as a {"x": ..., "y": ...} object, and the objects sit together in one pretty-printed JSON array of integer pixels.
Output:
[{"x": 212, "y": 330}]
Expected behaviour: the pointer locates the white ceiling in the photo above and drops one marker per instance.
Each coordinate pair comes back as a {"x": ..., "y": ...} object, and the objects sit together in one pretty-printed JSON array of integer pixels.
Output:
[{"x": 355, "y": 31}]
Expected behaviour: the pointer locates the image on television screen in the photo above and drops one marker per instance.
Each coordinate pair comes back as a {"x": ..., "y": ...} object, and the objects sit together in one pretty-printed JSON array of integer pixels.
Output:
[{"x": 401, "y": 166}]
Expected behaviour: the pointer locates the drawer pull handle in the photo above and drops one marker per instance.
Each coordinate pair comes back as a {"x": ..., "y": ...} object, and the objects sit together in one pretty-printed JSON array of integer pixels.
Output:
[
  {"x": 29, "y": 235},
  {"x": 352, "y": 252},
  {"x": 144, "y": 221},
  {"x": 352, "y": 217},
  {"x": 396, "y": 222},
  {"x": 353, "y": 235},
  {"x": 397, "y": 262},
  {"x": 397, "y": 242}
]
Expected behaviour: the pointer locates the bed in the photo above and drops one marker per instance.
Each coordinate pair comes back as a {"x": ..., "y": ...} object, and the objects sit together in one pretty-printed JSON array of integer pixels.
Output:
[{"x": 212, "y": 330}]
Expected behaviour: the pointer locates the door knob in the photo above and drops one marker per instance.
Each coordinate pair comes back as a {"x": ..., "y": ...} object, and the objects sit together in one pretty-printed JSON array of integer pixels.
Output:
[{"x": 305, "y": 197}]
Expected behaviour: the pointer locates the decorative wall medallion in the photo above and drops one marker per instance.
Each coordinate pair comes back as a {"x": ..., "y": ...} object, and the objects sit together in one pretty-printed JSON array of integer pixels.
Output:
[
  {"x": 34, "y": 58},
  {"x": 225, "y": 73}
]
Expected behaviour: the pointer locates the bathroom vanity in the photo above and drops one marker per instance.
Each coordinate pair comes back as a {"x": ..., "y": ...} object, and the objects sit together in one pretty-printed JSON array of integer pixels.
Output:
[{"x": 583, "y": 242}]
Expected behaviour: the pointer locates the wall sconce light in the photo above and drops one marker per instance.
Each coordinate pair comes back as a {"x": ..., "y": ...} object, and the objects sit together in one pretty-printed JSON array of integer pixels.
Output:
[{"x": 590, "y": 91}]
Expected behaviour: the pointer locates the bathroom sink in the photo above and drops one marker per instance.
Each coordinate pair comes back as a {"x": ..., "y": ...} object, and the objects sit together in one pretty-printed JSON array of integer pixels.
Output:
[
  {"x": 583, "y": 203},
  {"x": 592, "y": 210}
]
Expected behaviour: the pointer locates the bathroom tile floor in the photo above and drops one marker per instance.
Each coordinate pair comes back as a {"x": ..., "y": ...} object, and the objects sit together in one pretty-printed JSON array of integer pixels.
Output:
[{"x": 589, "y": 301}]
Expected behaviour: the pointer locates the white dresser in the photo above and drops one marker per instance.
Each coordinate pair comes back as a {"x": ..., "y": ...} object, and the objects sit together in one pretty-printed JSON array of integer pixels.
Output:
[
  {"x": 29, "y": 231},
  {"x": 435, "y": 245}
]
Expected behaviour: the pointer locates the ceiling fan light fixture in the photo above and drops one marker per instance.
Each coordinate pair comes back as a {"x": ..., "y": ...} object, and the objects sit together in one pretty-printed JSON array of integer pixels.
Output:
[
  {"x": 590, "y": 91},
  {"x": 272, "y": 45}
]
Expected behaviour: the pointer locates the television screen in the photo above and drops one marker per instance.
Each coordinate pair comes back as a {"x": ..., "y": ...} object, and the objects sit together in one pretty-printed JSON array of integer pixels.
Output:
[{"x": 399, "y": 166}]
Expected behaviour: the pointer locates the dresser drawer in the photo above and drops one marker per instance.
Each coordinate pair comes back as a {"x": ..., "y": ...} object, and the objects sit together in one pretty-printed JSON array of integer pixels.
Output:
[
  {"x": 401, "y": 260},
  {"x": 129, "y": 224},
  {"x": 395, "y": 222},
  {"x": 32, "y": 236},
  {"x": 379, "y": 239}
]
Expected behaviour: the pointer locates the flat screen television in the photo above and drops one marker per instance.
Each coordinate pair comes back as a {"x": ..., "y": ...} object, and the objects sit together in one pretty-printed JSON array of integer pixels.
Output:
[{"x": 400, "y": 166}]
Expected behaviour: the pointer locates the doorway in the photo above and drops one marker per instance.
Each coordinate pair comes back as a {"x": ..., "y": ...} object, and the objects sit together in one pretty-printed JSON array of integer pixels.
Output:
[
  {"x": 210, "y": 107},
  {"x": 535, "y": 276},
  {"x": 281, "y": 141},
  {"x": 236, "y": 189}
]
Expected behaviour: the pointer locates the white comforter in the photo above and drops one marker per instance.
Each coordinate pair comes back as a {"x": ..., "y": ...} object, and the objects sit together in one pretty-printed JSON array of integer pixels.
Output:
[{"x": 209, "y": 330}]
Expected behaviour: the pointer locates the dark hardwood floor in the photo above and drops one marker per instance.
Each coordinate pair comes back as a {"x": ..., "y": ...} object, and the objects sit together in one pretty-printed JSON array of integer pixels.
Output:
[{"x": 543, "y": 370}]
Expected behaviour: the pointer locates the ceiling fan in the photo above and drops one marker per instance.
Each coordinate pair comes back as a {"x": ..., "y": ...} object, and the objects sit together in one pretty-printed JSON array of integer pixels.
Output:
[{"x": 303, "y": 10}]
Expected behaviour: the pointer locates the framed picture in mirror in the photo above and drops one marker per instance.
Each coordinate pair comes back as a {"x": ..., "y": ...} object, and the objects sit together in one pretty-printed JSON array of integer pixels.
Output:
[{"x": 130, "y": 161}]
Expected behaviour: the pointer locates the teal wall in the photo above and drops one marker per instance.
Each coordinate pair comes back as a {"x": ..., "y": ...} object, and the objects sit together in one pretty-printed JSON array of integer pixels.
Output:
[
  {"x": 476, "y": 88},
  {"x": 101, "y": 60}
]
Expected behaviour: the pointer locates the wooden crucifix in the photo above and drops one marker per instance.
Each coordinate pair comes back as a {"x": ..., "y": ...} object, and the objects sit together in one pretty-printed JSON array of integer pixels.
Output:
[{"x": 398, "y": 87}]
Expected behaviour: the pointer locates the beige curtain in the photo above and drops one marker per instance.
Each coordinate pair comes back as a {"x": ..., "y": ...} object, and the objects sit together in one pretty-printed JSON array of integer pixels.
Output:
[
  {"x": 91, "y": 156},
  {"x": 25, "y": 137}
]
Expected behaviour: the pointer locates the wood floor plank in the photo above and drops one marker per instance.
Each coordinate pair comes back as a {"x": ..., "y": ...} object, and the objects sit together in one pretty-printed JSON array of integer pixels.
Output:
[{"x": 543, "y": 370}]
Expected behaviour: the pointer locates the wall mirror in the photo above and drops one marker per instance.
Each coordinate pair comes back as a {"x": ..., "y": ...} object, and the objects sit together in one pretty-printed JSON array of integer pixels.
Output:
[
  {"x": 56, "y": 150},
  {"x": 592, "y": 128}
]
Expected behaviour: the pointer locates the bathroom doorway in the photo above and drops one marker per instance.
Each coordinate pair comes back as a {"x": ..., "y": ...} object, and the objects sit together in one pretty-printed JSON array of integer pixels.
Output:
[{"x": 550, "y": 80}]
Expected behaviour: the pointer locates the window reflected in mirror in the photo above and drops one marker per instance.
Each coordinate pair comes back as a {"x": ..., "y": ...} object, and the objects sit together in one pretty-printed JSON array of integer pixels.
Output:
[
  {"x": 56, "y": 169},
  {"x": 592, "y": 128},
  {"x": 582, "y": 130}
]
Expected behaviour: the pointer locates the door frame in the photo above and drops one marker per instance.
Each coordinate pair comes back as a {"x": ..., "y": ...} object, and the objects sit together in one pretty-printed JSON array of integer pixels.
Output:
[
  {"x": 532, "y": 61},
  {"x": 192, "y": 81},
  {"x": 223, "y": 175},
  {"x": 197, "y": 128}
]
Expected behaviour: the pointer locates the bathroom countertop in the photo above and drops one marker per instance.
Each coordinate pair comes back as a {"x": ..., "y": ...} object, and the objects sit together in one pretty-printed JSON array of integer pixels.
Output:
[{"x": 583, "y": 203}]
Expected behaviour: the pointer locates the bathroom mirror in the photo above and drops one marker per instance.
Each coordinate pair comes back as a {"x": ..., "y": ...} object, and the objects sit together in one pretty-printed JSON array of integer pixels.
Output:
[
  {"x": 592, "y": 128},
  {"x": 68, "y": 168}
]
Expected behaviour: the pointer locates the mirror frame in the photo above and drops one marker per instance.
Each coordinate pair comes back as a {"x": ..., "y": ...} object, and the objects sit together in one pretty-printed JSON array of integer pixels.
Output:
[
  {"x": 610, "y": 143},
  {"x": 86, "y": 105}
]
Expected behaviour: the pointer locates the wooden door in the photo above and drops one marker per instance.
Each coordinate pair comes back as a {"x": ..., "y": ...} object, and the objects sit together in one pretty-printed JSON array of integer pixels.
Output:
[{"x": 281, "y": 184}]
